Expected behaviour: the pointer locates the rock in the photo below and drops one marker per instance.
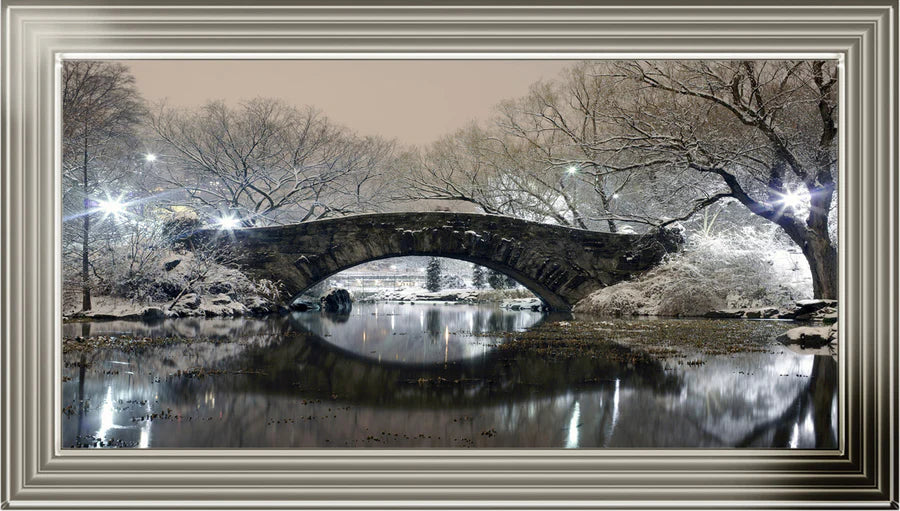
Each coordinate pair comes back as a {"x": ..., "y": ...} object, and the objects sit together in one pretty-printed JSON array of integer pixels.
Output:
[
  {"x": 761, "y": 313},
  {"x": 217, "y": 288},
  {"x": 220, "y": 288},
  {"x": 259, "y": 306},
  {"x": 827, "y": 315},
  {"x": 804, "y": 307},
  {"x": 188, "y": 305},
  {"x": 168, "y": 289},
  {"x": 303, "y": 306},
  {"x": 189, "y": 301},
  {"x": 807, "y": 336},
  {"x": 816, "y": 304},
  {"x": 806, "y": 310},
  {"x": 153, "y": 313},
  {"x": 221, "y": 299},
  {"x": 170, "y": 265},
  {"x": 725, "y": 313},
  {"x": 337, "y": 301}
]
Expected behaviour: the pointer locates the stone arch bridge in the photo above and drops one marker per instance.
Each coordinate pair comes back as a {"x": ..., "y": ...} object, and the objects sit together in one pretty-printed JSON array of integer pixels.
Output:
[{"x": 559, "y": 264}]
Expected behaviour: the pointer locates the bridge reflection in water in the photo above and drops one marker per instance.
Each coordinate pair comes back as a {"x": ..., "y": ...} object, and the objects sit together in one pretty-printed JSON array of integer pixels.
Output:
[{"x": 325, "y": 385}]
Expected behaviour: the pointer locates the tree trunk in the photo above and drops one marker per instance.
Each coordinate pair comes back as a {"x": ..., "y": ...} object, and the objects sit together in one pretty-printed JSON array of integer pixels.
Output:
[
  {"x": 85, "y": 266},
  {"x": 85, "y": 263},
  {"x": 823, "y": 264}
]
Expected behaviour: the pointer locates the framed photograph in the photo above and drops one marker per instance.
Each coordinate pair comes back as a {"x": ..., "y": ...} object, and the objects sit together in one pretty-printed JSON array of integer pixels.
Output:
[{"x": 510, "y": 256}]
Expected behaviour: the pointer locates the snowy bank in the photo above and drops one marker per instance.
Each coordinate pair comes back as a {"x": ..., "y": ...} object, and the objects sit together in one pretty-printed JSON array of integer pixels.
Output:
[
  {"x": 418, "y": 294},
  {"x": 527, "y": 304},
  {"x": 665, "y": 291},
  {"x": 189, "y": 305}
]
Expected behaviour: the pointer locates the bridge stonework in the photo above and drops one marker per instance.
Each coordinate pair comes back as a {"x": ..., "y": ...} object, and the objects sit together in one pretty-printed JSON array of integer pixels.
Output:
[{"x": 559, "y": 264}]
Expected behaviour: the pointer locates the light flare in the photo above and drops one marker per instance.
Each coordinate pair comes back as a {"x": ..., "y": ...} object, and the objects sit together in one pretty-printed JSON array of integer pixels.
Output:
[
  {"x": 227, "y": 223},
  {"x": 114, "y": 207}
]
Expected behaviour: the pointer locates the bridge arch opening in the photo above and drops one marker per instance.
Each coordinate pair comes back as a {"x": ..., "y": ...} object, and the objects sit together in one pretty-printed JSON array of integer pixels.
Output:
[{"x": 423, "y": 277}]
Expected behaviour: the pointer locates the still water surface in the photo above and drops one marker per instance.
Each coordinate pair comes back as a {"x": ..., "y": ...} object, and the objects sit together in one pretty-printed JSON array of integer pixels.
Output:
[{"x": 428, "y": 375}]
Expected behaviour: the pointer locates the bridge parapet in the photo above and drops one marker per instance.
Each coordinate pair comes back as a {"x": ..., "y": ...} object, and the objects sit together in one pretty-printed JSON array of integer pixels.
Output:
[{"x": 559, "y": 264}]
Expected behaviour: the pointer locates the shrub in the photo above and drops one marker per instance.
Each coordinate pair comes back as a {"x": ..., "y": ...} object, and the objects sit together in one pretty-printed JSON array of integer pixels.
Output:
[{"x": 744, "y": 267}]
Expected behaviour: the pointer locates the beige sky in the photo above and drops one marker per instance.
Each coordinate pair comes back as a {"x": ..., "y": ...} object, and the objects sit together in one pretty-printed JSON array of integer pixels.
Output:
[{"x": 414, "y": 101}]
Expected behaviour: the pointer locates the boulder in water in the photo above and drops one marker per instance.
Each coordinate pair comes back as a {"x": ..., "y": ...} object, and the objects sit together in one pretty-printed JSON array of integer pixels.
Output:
[
  {"x": 337, "y": 301},
  {"x": 807, "y": 336}
]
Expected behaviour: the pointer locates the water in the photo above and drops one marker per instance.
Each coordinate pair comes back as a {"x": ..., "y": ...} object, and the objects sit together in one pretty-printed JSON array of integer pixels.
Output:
[{"x": 427, "y": 375}]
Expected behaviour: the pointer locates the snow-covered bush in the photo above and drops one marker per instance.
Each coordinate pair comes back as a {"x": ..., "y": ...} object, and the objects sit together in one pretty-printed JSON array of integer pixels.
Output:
[
  {"x": 452, "y": 281},
  {"x": 742, "y": 267}
]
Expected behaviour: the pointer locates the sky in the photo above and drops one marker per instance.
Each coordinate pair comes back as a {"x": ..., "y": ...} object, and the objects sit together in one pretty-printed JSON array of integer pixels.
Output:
[{"x": 414, "y": 101}]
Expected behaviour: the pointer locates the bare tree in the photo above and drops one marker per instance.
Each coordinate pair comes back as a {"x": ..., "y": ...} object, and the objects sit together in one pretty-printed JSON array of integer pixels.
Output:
[
  {"x": 268, "y": 161},
  {"x": 563, "y": 124},
  {"x": 475, "y": 166},
  {"x": 366, "y": 183},
  {"x": 457, "y": 167},
  {"x": 761, "y": 132},
  {"x": 101, "y": 110},
  {"x": 541, "y": 158}
]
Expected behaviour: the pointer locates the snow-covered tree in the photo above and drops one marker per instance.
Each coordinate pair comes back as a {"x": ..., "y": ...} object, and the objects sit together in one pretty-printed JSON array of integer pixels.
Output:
[
  {"x": 763, "y": 133},
  {"x": 499, "y": 280},
  {"x": 267, "y": 161},
  {"x": 478, "y": 277},
  {"x": 433, "y": 275},
  {"x": 654, "y": 143},
  {"x": 101, "y": 109}
]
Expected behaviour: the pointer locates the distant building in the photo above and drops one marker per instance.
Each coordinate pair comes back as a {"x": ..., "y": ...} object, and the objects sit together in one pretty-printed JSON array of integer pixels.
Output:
[{"x": 398, "y": 280}]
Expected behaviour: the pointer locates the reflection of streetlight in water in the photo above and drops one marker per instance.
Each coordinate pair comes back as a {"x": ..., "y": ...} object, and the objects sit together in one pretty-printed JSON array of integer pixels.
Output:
[{"x": 446, "y": 342}]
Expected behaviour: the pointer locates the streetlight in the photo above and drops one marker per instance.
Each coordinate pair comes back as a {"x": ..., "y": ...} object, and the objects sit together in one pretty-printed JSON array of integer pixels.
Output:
[
  {"x": 227, "y": 223},
  {"x": 792, "y": 199},
  {"x": 572, "y": 171},
  {"x": 112, "y": 207},
  {"x": 150, "y": 157}
]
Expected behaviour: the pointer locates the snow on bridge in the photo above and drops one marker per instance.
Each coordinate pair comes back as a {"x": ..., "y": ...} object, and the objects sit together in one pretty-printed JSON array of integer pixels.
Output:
[{"x": 559, "y": 264}]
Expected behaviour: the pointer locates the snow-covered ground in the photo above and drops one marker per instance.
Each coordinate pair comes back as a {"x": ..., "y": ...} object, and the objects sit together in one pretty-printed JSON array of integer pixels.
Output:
[
  {"x": 418, "y": 294},
  {"x": 189, "y": 305}
]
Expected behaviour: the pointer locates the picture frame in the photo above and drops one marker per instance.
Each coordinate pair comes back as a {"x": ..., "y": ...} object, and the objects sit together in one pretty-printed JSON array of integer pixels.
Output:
[{"x": 39, "y": 474}]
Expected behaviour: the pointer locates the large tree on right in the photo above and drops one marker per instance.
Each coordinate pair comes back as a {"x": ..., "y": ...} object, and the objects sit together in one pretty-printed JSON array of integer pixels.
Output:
[{"x": 763, "y": 133}]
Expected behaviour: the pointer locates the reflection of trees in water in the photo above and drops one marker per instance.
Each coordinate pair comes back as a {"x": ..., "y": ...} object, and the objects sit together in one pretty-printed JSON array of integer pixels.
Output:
[
  {"x": 308, "y": 362},
  {"x": 523, "y": 394},
  {"x": 500, "y": 321},
  {"x": 478, "y": 321},
  {"x": 433, "y": 321},
  {"x": 814, "y": 400},
  {"x": 247, "y": 329},
  {"x": 337, "y": 318}
]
